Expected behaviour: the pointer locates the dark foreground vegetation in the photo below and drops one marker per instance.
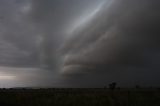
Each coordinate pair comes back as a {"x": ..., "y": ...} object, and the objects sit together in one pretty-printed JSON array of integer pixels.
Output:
[{"x": 79, "y": 97}]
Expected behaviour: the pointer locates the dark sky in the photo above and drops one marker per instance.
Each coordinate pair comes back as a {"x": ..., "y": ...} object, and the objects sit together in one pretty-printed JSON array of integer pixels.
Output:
[{"x": 79, "y": 43}]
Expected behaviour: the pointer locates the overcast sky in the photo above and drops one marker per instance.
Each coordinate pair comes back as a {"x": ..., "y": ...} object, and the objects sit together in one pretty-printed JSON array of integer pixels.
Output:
[{"x": 79, "y": 43}]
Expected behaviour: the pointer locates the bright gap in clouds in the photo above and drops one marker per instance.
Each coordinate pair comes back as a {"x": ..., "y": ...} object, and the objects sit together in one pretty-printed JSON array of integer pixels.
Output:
[
  {"x": 7, "y": 80},
  {"x": 7, "y": 77}
]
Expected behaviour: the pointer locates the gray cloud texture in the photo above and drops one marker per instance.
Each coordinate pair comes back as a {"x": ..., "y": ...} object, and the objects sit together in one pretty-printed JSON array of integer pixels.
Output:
[
  {"x": 15, "y": 33},
  {"x": 120, "y": 44},
  {"x": 80, "y": 43}
]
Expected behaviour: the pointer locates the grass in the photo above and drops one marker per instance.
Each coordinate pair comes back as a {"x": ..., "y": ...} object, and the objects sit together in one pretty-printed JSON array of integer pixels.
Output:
[{"x": 79, "y": 97}]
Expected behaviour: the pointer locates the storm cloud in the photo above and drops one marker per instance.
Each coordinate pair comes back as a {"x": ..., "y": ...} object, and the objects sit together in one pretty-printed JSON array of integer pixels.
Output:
[{"x": 79, "y": 43}]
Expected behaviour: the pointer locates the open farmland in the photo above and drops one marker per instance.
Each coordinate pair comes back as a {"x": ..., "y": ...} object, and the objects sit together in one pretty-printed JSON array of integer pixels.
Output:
[{"x": 79, "y": 97}]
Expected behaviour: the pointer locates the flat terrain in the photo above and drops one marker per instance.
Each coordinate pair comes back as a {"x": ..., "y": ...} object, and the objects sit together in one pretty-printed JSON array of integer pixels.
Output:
[{"x": 79, "y": 97}]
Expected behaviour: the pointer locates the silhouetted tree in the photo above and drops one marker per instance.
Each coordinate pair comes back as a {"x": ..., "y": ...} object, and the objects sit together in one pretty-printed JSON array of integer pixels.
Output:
[{"x": 112, "y": 86}]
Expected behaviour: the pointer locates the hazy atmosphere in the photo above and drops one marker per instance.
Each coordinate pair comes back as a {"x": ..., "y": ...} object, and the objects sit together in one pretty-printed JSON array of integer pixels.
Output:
[{"x": 79, "y": 43}]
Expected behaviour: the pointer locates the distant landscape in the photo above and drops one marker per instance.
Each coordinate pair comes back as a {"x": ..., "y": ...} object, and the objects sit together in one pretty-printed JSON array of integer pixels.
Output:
[
  {"x": 80, "y": 97},
  {"x": 79, "y": 52}
]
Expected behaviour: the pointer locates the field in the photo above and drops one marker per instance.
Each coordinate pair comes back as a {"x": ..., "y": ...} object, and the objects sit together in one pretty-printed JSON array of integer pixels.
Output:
[{"x": 79, "y": 97}]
